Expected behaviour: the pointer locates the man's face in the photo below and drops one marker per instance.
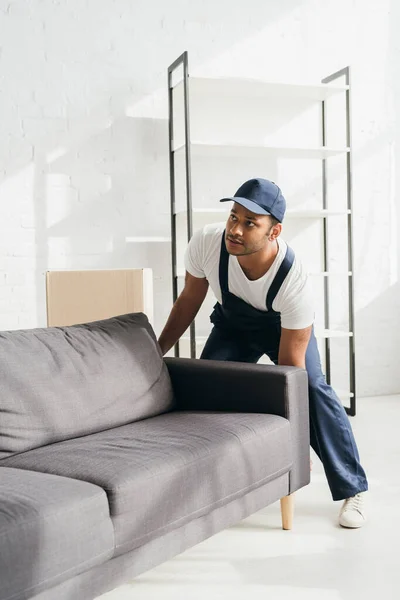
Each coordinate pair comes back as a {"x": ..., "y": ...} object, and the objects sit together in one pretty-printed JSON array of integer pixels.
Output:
[{"x": 247, "y": 233}]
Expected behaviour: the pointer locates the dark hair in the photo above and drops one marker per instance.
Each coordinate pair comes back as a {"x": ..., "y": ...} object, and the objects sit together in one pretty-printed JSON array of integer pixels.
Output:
[{"x": 273, "y": 221}]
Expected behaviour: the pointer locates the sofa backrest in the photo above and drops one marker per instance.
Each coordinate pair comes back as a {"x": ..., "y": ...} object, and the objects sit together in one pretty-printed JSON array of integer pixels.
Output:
[{"x": 65, "y": 382}]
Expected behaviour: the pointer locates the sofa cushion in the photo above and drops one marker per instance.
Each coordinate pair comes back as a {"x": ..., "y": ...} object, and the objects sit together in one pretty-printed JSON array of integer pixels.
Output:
[
  {"x": 63, "y": 382},
  {"x": 51, "y": 528},
  {"x": 162, "y": 472}
]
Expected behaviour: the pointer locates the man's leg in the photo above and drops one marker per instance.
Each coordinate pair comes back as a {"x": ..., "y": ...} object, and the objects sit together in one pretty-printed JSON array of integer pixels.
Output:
[
  {"x": 330, "y": 430},
  {"x": 226, "y": 345},
  {"x": 331, "y": 434}
]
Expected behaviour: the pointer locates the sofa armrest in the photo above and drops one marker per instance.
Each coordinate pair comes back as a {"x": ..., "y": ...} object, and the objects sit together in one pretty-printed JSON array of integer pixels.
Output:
[{"x": 212, "y": 385}]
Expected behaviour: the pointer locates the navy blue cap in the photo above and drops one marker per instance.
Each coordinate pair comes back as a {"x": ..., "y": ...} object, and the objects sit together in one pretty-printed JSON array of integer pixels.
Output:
[{"x": 261, "y": 197}]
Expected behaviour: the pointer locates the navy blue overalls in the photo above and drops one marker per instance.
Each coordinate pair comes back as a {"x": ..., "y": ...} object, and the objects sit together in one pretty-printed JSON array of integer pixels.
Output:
[{"x": 244, "y": 333}]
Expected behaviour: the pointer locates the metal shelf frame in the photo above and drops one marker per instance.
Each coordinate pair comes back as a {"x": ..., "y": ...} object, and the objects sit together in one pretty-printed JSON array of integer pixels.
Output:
[
  {"x": 183, "y": 63},
  {"x": 350, "y": 251}
]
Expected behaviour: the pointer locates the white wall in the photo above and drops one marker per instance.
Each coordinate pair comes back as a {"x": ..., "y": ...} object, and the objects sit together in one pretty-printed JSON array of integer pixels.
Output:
[{"x": 83, "y": 145}]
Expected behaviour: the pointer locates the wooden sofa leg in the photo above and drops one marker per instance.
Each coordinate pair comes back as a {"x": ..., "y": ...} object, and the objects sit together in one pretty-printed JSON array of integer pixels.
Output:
[{"x": 287, "y": 511}]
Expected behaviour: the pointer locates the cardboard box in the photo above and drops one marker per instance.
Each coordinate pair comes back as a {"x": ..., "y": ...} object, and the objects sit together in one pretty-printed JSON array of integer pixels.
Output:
[{"x": 83, "y": 296}]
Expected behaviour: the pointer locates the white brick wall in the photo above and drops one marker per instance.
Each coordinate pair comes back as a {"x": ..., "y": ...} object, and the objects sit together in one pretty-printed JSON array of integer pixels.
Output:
[{"x": 77, "y": 175}]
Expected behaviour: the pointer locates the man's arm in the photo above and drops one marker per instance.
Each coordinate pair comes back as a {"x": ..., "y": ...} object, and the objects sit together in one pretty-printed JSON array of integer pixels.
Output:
[
  {"x": 184, "y": 311},
  {"x": 293, "y": 347}
]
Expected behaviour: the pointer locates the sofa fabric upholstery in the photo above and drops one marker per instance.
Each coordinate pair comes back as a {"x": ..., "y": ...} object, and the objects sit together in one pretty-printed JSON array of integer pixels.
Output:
[
  {"x": 64, "y": 382},
  {"x": 51, "y": 529},
  {"x": 113, "y": 459},
  {"x": 244, "y": 387},
  {"x": 163, "y": 472}
]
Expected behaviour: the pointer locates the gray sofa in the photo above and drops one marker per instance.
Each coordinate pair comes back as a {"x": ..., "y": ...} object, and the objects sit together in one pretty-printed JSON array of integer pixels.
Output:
[{"x": 113, "y": 460}]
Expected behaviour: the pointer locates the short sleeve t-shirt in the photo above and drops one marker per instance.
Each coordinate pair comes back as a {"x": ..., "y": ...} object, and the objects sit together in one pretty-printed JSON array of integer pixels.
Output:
[{"x": 294, "y": 301}]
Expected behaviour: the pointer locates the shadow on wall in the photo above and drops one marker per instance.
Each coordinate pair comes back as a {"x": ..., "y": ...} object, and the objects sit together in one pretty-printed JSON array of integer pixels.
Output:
[
  {"x": 98, "y": 196},
  {"x": 373, "y": 353},
  {"x": 67, "y": 99},
  {"x": 98, "y": 176},
  {"x": 377, "y": 323},
  {"x": 376, "y": 269}
]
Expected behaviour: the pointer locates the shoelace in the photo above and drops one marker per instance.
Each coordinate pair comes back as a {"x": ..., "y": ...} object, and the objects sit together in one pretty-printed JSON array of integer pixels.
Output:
[{"x": 354, "y": 503}]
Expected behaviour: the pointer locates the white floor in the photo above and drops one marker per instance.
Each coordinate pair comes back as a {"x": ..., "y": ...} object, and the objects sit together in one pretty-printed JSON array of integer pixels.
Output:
[{"x": 316, "y": 560}]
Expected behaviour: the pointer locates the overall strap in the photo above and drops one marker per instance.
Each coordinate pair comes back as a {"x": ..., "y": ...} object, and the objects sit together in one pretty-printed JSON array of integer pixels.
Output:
[
  {"x": 280, "y": 277},
  {"x": 223, "y": 266}
]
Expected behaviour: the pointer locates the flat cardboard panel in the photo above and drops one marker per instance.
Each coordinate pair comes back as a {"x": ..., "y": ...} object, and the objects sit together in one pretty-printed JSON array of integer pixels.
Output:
[{"x": 83, "y": 296}]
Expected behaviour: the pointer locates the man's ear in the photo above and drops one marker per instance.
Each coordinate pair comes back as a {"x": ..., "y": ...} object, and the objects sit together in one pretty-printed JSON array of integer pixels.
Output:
[{"x": 275, "y": 232}]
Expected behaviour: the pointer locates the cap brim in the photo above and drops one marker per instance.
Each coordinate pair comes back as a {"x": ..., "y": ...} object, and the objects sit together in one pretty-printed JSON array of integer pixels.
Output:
[{"x": 251, "y": 206}]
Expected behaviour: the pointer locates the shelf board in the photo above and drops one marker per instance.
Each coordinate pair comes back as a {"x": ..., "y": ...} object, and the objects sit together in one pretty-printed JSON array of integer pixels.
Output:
[
  {"x": 182, "y": 272},
  {"x": 344, "y": 395},
  {"x": 322, "y": 334},
  {"x": 205, "y": 211},
  {"x": 214, "y": 149},
  {"x": 147, "y": 239},
  {"x": 332, "y": 333},
  {"x": 290, "y": 213},
  {"x": 255, "y": 88},
  {"x": 330, "y": 274},
  {"x": 315, "y": 214}
]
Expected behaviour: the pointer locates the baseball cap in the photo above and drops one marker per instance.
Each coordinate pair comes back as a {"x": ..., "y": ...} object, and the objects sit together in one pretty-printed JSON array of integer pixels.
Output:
[{"x": 262, "y": 197}]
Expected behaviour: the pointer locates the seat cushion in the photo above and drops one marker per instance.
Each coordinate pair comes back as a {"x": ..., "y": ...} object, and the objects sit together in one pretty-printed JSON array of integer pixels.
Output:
[
  {"x": 162, "y": 472},
  {"x": 64, "y": 382},
  {"x": 51, "y": 528}
]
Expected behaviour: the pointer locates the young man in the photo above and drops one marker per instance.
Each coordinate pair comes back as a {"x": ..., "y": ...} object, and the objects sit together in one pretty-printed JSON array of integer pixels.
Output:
[{"x": 265, "y": 307}]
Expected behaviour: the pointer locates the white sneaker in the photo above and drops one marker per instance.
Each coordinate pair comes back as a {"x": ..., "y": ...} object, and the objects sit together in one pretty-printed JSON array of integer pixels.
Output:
[{"x": 352, "y": 513}]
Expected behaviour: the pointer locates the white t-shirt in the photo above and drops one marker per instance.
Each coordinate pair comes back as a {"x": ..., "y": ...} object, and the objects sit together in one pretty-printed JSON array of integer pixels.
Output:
[{"x": 294, "y": 300}]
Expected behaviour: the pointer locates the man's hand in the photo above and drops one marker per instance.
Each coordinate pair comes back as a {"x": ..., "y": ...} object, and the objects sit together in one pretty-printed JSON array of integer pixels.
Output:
[{"x": 293, "y": 347}]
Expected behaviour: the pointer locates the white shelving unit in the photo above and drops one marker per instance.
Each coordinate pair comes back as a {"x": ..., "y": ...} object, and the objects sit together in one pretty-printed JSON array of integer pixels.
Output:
[
  {"x": 209, "y": 149},
  {"x": 252, "y": 88},
  {"x": 181, "y": 273},
  {"x": 197, "y": 91},
  {"x": 290, "y": 213},
  {"x": 203, "y": 216},
  {"x": 147, "y": 239},
  {"x": 319, "y": 333}
]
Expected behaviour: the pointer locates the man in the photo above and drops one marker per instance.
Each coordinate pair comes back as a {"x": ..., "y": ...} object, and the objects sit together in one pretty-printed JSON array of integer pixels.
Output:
[{"x": 265, "y": 307}]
